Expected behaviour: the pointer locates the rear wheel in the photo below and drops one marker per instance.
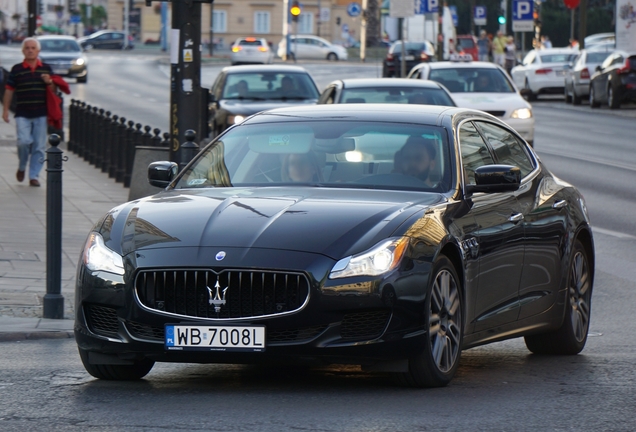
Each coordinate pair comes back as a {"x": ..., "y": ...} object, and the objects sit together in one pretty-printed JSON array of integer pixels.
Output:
[
  {"x": 438, "y": 361},
  {"x": 593, "y": 102},
  {"x": 576, "y": 99},
  {"x": 612, "y": 100},
  {"x": 117, "y": 372},
  {"x": 570, "y": 339},
  {"x": 332, "y": 57}
]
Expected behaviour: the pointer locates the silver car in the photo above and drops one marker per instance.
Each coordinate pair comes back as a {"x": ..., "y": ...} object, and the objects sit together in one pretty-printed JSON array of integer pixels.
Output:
[
  {"x": 577, "y": 74},
  {"x": 312, "y": 47},
  {"x": 65, "y": 56}
]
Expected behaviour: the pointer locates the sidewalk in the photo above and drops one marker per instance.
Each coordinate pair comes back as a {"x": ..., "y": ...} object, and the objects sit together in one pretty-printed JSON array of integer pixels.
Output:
[{"x": 87, "y": 195}]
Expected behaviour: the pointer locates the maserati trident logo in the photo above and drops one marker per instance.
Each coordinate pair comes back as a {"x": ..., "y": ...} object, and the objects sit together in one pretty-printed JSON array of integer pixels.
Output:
[{"x": 215, "y": 296}]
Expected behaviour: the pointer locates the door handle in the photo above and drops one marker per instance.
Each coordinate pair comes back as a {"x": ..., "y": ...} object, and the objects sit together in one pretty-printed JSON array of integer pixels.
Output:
[
  {"x": 516, "y": 218},
  {"x": 558, "y": 205}
]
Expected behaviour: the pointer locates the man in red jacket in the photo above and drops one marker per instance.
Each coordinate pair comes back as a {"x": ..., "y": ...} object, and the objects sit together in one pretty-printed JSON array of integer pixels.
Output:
[{"x": 29, "y": 81}]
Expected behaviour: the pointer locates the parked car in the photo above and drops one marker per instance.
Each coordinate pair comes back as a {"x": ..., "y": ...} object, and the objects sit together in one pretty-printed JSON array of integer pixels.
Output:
[
  {"x": 484, "y": 86},
  {"x": 468, "y": 44},
  {"x": 599, "y": 38},
  {"x": 614, "y": 81},
  {"x": 65, "y": 56},
  {"x": 240, "y": 91},
  {"x": 312, "y": 47},
  {"x": 577, "y": 74},
  {"x": 382, "y": 90},
  {"x": 251, "y": 50},
  {"x": 542, "y": 71},
  {"x": 392, "y": 239},
  {"x": 106, "y": 39},
  {"x": 414, "y": 53}
]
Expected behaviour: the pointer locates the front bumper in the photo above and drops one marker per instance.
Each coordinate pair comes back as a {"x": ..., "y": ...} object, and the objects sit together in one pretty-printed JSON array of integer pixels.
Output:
[{"x": 524, "y": 127}]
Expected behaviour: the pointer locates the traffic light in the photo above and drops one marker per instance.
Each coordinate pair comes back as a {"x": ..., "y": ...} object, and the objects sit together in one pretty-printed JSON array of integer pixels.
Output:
[
  {"x": 41, "y": 8},
  {"x": 295, "y": 10},
  {"x": 501, "y": 18},
  {"x": 72, "y": 6}
]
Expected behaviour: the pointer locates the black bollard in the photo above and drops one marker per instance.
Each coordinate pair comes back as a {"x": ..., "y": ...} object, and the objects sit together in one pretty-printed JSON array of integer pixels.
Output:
[
  {"x": 156, "y": 140},
  {"x": 189, "y": 148},
  {"x": 147, "y": 137},
  {"x": 112, "y": 168},
  {"x": 106, "y": 141},
  {"x": 71, "y": 126},
  {"x": 122, "y": 133},
  {"x": 53, "y": 305},
  {"x": 166, "y": 140}
]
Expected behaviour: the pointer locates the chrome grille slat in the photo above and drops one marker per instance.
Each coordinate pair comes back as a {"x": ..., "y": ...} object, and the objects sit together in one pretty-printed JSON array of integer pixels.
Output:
[{"x": 249, "y": 294}]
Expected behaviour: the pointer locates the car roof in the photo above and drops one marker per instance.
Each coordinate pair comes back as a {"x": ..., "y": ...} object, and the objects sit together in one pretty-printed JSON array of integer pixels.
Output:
[
  {"x": 264, "y": 68},
  {"x": 556, "y": 51},
  {"x": 462, "y": 64},
  {"x": 387, "y": 82},
  {"x": 44, "y": 37}
]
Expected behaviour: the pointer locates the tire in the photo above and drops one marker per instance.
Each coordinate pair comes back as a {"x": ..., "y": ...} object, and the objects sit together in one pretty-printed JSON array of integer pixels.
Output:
[
  {"x": 530, "y": 96},
  {"x": 593, "y": 102},
  {"x": 332, "y": 57},
  {"x": 89, "y": 47},
  {"x": 612, "y": 100},
  {"x": 568, "y": 97},
  {"x": 117, "y": 372},
  {"x": 83, "y": 79},
  {"x": 437, "y": 363},
  {"x": 576, "y": 99},
  {"x": 571, "y": 337}
]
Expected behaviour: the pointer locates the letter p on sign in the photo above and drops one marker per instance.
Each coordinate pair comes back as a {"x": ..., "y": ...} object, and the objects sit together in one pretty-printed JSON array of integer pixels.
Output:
[{"x": 523, "y": 9}]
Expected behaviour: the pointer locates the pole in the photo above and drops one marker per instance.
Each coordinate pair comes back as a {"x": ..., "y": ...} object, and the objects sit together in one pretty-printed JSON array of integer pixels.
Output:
[
  {"x": 164, "y": 26},
  {"x": 126, "y": 22},
  {"x": 582, "y": 23},
  {"x": 53, "y": 303},
  {"x": 211, "y": 47},
  {"x": 440, "y": 34},
  {"x": 185, "y": 76},
  {"x": 571, "y": 24},
  {"x": 286, "y": 31},
  {"x": 32, "y": 7},
  {"x": 363, "y": 32},
  {"x": 320, "y": 18}
]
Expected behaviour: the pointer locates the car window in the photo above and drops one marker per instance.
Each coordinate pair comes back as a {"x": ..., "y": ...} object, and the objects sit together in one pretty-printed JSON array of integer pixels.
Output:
[
  {"x": 507, "y": 148},
  {"x": 466, "y": 43},
  {"x": 118, "y": 36},
  {"x": 269, "y": 85},
  {"x": 475, "y": 152},
  {"x": 59, "y": 45},
  {"x": 596, "y": 57},
  {"x": 472, "y": 80},
  {"x": 607, "y": 61},
  {"x": 103, "y": 37},
  {"x": 250, "y": 42},
  {"x": 529, "y": 58},
  {"x": 397, "y": 95},
  {"x": 351, "y": 154},
  {"x": 556, "y": 58},
  {"x": 618, "y": 60}
]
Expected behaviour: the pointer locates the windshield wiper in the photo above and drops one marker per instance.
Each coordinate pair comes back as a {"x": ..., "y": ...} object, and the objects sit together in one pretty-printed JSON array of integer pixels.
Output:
[
  {"x": 290, "y": 98},
  {"x": 245, "y": 98}
]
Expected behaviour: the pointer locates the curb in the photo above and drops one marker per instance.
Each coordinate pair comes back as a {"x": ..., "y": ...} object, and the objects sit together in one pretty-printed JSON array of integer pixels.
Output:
[{"x": 36, "y": 335}]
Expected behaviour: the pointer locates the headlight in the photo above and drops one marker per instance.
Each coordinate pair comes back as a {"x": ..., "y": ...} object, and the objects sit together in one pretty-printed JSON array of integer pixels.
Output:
[
  {"x": 378, "y": 260},
  {"x": 97, "y": 257},
  {"x": 79, "y": 61},
  {"x": 521, "y": 113},
  {"x": 236, "y": 119}
]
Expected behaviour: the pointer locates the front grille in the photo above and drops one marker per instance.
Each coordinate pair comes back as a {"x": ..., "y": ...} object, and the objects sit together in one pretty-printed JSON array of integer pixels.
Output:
[
  {"x": 228, "y": 294},
  {"x": 295, "y": 335},
  {"x": 364, "y": 324},
  {"x": 101, "y": 320},
  {"x": 144, "y": 331},
  {"x": 497, "y": 113}
]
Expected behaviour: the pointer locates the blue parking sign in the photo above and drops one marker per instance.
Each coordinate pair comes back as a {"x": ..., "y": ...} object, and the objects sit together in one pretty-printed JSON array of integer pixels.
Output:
[
  {"x": 453, "y": 10},
  {"x": 522, "y": 15},
  {"x": 479, "y": 15},
  {"x": 428, "y": 6}
]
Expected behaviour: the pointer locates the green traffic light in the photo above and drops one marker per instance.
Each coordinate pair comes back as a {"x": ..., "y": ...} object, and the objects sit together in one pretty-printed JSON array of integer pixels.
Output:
[{"x": 501, "y": 19}]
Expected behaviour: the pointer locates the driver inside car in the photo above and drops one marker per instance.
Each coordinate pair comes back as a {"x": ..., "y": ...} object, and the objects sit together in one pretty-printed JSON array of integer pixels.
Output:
[{"x": 416, "y": 158}]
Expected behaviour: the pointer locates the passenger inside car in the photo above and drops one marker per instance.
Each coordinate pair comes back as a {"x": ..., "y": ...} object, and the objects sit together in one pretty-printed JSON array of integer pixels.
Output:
[
  {"x": 301, "y": 167},
  {"x": 483, "y": 84},
  {"x": 416, "y": 158},
  {"x": 242, "y": 88},
  {"x": 287, "y": 87}
]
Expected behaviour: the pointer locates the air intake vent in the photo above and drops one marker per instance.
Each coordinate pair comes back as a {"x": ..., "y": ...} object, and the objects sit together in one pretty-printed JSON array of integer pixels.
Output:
[
  {"x": 102, "y": 320},
  {"x": 364, "y": 325}
]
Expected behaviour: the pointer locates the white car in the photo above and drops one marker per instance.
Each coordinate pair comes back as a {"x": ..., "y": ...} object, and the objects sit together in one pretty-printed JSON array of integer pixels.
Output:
[
  {"x": 312, "y": 47},
  {"x": 484, "y": 86},
  {"x": 251, "y": 50},
  {"x": 543, "y": 71}
]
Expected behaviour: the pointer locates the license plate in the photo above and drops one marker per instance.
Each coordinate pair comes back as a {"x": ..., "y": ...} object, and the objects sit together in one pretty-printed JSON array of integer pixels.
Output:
[
  {"x": 560, "y": 73},
  {"x": 214, "y": 338},
  {"x": 407, "y": 58},
  {"x": 60, "y": 71}
]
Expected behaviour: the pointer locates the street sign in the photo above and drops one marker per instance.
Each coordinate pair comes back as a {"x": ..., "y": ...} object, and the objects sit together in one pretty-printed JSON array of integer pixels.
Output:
[
  {"x": 401, "y": 8},
  {"x": 345, "y": 28},
  {"x": 428, "y": 6},
  {"x": 76, "y": 19},
  {"x": 325, "y": 14},
  {"x": 522, "y": 17},
  {"x": 453, "y": 11},
  {"x": 479, "y": 15},
  {"x": 354, "y": 9}
]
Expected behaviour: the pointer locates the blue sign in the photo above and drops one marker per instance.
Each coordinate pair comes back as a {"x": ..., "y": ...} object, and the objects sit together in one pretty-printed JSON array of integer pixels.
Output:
[
  {"x": 345, "y": 28},
  {"x": 453, "y": 10},
  {"x": 479, "y": 15},
  {"x": 76, "y": 19},
  {"x": 428, "y": 6},
  {"x": 354, "y": 9},
  {"x": 522, "y": 10}
]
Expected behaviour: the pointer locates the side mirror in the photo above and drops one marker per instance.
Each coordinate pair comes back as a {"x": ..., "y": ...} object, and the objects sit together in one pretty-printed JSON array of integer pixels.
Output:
[
  {"x": 211, "y": 98},
  {"x": 161, "y": 174},
  {"x": 598, "y": 68},
  {"x": 496, "y": 178}
]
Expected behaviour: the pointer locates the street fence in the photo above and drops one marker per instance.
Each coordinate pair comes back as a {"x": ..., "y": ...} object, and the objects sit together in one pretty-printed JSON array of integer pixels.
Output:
[{"x": 109, "y": 141}]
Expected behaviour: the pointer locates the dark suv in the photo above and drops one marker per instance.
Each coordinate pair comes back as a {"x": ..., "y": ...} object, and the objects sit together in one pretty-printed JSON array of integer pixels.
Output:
[
  {"x": 614, "y": 81},
  {"x": 415, "y": 53}
]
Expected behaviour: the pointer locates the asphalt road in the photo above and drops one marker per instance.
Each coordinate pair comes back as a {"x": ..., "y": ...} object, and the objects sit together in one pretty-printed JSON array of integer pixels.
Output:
[{"x": 498, "y": 387}]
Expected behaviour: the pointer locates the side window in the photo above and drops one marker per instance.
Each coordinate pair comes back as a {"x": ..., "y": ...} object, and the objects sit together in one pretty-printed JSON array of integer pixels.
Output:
[
  {"x": 608, "y": 61},
  {"x": 618, "y": 60},
  {"x": 474, "y": 151},
  {"x": 529, "y": 58},
  {"x": 328, "y": 96},
  {"x": 508, "y": 150}
]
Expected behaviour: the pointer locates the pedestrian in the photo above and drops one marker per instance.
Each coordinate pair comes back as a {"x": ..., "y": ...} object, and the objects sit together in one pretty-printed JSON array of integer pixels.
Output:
[
  {"x": 545, "y": 42},
  {"x": 28, "y": 81},
  {"x": 574, "y": 44},
  {"x": 483, "y": 46},
  {"x": 510, "y": 54},
  {"x": 499, "y": 47}
]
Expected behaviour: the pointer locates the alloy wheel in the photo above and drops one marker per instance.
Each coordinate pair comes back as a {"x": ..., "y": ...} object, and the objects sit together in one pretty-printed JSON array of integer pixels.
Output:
[
  {"x": 445, "y": 321},
  {"x": 580, "y": 293}
]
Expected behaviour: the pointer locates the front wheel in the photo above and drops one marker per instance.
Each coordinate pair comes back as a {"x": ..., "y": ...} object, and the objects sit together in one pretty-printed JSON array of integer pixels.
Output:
[
  {"x": 332, "y": 57},
  {"x": 576, "y": 99},
  {"x": 593, "y": 102},
  {"x": 571, "y": 337},
  {"x": 437, "y": 363},
  {"x": 612, "y": 100},
  {"x": 132, "y": 372}
]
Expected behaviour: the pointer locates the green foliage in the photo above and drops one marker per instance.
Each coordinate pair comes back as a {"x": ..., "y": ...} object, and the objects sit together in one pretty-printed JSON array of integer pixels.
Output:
[{"x": 99, "y": 17}]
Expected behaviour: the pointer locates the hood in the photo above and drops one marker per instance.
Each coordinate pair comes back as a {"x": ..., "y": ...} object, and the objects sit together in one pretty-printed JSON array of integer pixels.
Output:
[
  {"x": 490, "y": 101},
  {"x": 331, "y": 222},
  {"x": 248, "y": 107},
  {"x": 45, "y": 56}
]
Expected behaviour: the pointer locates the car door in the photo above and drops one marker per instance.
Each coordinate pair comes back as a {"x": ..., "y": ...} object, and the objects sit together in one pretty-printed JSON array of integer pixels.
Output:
[
  {"x": 544, "y": 221},
  {"x": 600, "y": 78},
  {"x": 117, "y": 41},
  {"x": 103, "y": 41},
  {"x": 496, "y": 238},
  {"x": 300, "y": 48}
]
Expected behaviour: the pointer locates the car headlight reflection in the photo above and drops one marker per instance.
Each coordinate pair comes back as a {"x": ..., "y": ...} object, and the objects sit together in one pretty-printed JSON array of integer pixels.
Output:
[
  {"x": 97, "y": 257},
  {"x": 79, "y": 61},
  {"x": 236, "y": 119},
  {"x": 521, "y": 113},
  {"x": 378, "y": 260}
]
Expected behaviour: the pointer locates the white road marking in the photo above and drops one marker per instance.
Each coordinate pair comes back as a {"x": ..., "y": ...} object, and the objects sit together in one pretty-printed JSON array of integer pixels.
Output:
[{"x": 613, "y": 233}]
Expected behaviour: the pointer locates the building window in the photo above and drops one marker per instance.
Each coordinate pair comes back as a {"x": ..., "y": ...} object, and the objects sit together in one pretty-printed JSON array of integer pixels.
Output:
[
  {"x": 261, "y": 22},
  {"x": 306, "y": 23},
  {"x": 219, "y": 21}
]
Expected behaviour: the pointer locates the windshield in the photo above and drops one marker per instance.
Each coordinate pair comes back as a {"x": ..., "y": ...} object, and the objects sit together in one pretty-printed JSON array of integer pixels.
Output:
[
  {"x": 59, "y": 45},
  {"x": 597, "y": 57},
  {"x": 397, "y": 95},
  {"x": 472, "y": 80},
  {"x": 269, "y": 85},
  {"x": 411, "y": 47},
  {"x": 557, "y": 58},
  {"x": 328, "y": 154}
]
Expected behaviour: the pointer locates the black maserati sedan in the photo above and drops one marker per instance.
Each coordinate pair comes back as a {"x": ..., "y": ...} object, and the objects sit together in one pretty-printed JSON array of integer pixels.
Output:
[{"x": 340, "y": 234}]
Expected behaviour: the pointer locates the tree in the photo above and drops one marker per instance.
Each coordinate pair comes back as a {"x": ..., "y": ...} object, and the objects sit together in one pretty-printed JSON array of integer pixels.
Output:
[{"x": 374, "y": 35}]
